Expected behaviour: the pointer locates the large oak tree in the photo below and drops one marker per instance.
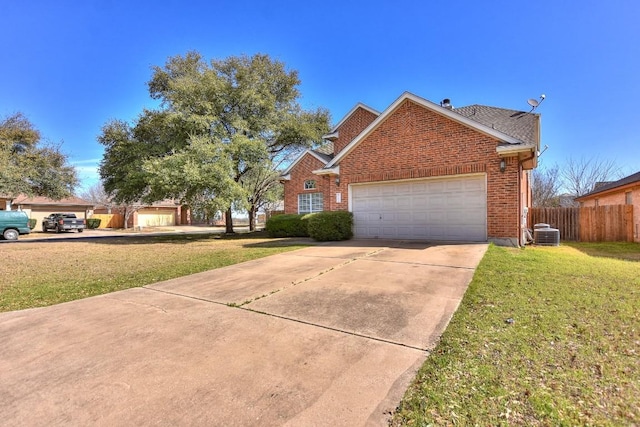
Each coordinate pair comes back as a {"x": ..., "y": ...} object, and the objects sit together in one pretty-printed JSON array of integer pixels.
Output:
[
  {"x": 28, "y": 165},
  {"x": 221, "y": 125}
]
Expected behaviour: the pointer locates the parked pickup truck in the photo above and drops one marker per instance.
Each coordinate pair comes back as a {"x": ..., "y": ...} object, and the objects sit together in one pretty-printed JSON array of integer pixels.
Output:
[{"x": 60, "y": 222}]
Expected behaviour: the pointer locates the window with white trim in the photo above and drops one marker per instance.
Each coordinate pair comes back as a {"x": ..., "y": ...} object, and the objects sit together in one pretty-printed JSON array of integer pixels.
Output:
[
  {"x": 628, "y": 200},
  {"x": 309, "y": 203},
  {"x": 310, "y": 184}
]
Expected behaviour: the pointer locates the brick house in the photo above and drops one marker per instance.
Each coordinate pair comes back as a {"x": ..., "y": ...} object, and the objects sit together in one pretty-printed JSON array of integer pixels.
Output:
[
  {"x": 421, "y": 170},
  {"x": 625, "y": 191}
]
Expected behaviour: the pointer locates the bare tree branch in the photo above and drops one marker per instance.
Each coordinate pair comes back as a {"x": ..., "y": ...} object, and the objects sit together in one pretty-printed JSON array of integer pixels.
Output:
[{"x": 580, "y": 176}]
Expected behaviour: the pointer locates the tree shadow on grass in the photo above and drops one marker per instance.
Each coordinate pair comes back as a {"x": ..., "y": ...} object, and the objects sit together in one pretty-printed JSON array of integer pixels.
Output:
[{"x": 246, "y": 239}]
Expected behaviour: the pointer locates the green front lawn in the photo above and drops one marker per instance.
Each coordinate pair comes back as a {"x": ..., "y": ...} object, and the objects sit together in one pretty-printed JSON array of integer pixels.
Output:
[
  {"x": 543, "y": 336},
  {"x": 36, "y": 274}
]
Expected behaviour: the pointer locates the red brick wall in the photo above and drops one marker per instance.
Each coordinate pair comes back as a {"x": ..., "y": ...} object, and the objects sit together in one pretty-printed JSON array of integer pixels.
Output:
[
  {"x": 356, "y": 123},
  {"x": 299, "y": 174},
  {"x": 415, "y": 142}
]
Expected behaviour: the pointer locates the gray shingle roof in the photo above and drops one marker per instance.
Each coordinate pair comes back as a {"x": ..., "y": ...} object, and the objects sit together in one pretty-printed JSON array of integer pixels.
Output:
[
  {"x": 326, "y": 157},
  {"x": 611, "y": 185},
  {"x": 326, "y": 148},
  {"x": 517, "y": 124}
]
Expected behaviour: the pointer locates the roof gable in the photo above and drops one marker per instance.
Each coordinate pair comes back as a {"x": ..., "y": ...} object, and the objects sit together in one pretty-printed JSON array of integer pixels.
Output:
[
  {"x": 631, "y": 179},
  {"x": 324, "y": 158},
  {"x": 351, "y": 112},
  {"x": 451, "y": 114}
]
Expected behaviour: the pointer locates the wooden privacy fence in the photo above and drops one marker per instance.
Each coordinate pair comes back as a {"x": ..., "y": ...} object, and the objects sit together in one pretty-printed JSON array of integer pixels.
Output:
[
  {"x": 567, "y": 220},
  {"x": 612, "y": 223},
  {"x": 110, "y": 220}
]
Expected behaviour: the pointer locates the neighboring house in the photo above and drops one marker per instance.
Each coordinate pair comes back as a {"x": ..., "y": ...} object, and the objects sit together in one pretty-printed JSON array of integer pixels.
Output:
[
  {"x": 625, "y": 191},
  {"x": 165, "y": 213},
  {"x": 39, "y": 207},
  {"x": 419, "y": 170}
]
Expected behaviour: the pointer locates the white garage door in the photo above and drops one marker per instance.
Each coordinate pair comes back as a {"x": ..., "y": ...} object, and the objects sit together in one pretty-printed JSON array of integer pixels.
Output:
[
  {"x": 429, "y": 209},
  {"x": 157, "y": 218}
]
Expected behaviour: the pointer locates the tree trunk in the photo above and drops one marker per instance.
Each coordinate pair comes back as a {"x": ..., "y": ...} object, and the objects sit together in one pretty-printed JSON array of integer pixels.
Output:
[
  {"x": 252, "y": 218},
  {"x": 228, "y": 221}
]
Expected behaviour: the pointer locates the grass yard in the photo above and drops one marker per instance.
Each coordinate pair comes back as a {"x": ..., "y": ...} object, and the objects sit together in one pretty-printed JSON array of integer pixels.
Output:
[
  {"x": 543, "y": 336},
  {"x": 36, "y": 274}
]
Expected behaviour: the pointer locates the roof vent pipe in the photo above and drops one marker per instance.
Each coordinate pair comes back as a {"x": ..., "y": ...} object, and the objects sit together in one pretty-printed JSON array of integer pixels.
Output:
[{"x": 446, "y": 103}]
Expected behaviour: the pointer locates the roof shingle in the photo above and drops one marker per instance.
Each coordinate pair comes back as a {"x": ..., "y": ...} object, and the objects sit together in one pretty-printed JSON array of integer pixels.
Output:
[
  {"x": 517, "y": 124},
  {"x": 611, "y": 185}
]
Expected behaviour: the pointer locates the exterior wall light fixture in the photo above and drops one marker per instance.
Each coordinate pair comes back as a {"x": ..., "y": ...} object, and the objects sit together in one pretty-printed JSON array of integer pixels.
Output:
[
  {"x": 338, "y": 181},
  {"x": 503, "y": 165}
]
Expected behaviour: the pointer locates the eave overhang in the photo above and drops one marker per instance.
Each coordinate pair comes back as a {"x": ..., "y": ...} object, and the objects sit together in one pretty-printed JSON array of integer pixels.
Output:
[
  {"x": 328, "y": 171},
  {"x": 331, "y": 136},
  {"x": 512, "y": 150},
  {"x": 621, "y": 188},
  {"x": 287, "y": 171}
]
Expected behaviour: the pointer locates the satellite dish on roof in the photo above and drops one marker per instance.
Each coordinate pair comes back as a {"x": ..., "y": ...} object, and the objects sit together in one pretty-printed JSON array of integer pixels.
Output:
[{"x": 534, "y": 102}]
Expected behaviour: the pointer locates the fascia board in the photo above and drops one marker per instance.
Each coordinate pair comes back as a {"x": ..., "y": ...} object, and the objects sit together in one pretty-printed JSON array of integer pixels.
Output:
[
  {"x": 521, "y": 148},
  {"x": 332, "y": 171},
  {"x": 623, "y": 187},
  {"x": 346, "y": 116},
  {"x": 431, "y": 106},
  {"x": 295, "y": 162},
  {"x": 331, "y": 136}
]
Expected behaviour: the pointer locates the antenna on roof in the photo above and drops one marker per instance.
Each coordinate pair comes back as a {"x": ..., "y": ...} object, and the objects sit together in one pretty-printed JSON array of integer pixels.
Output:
[{"x": 534, "y": 102}]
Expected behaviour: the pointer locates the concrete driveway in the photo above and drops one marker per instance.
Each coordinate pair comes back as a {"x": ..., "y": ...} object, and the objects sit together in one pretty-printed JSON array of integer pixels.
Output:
[{"x": 326, "y": 335}]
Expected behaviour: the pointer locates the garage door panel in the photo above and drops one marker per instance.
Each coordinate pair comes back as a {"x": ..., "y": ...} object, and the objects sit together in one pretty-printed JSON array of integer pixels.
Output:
[
  {"x": 419, "y": 187},
  {"x": 402, "y": 202},
  {"x": 420, "y": 202},
  {"x": 388, "y": 203},
  {"x": 402, "y": 217},
  {"x": 419, "y": 217},
  {"x": 439, "y": 209},
  {"x": 157, "y": 218}
]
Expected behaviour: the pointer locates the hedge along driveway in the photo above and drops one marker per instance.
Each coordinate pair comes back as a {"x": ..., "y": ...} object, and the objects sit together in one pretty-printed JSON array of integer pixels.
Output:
[
  {"x": 320, "y": 226},
  {"x": 37, "y": 274}
]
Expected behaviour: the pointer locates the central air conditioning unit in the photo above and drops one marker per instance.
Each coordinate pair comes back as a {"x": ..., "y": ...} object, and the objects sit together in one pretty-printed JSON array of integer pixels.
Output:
[{"x": 546, "y": 236}]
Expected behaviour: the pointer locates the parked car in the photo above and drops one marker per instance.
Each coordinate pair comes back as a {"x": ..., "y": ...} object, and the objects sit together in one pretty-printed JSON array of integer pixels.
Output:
[
  {"x": 60, "y": 222},
  {"x": 13, "y": 223}
]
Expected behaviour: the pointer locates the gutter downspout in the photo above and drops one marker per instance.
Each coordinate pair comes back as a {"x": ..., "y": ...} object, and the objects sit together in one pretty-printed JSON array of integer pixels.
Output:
[{"x": 523, "y": 241}]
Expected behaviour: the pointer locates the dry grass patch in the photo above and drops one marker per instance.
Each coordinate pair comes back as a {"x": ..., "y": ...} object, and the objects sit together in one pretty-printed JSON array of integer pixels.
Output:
[{"x": 37, "y": 274}]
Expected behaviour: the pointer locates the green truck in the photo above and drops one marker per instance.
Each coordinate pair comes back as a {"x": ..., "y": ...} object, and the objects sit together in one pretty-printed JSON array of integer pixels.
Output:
[{"x": 13, "y": 224}]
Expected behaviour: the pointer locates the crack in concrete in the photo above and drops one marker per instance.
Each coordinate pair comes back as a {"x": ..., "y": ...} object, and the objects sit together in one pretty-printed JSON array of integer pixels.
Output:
[
  {"x": 242, "y": 306},
  {"x": 331, "y": 328},
  {"x": 306, "y": 279}
]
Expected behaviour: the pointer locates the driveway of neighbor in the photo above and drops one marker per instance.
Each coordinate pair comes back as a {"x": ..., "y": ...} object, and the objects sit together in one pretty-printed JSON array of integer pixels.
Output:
[{"x": 327, "y": 335}]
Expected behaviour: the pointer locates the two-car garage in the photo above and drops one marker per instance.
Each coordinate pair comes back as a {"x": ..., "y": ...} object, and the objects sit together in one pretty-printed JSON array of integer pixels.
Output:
[{"x": 452, "y": 208}]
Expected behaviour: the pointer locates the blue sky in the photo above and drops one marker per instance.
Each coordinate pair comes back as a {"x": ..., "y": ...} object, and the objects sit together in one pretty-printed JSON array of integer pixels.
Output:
[{"x": 71, "y": 66}]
